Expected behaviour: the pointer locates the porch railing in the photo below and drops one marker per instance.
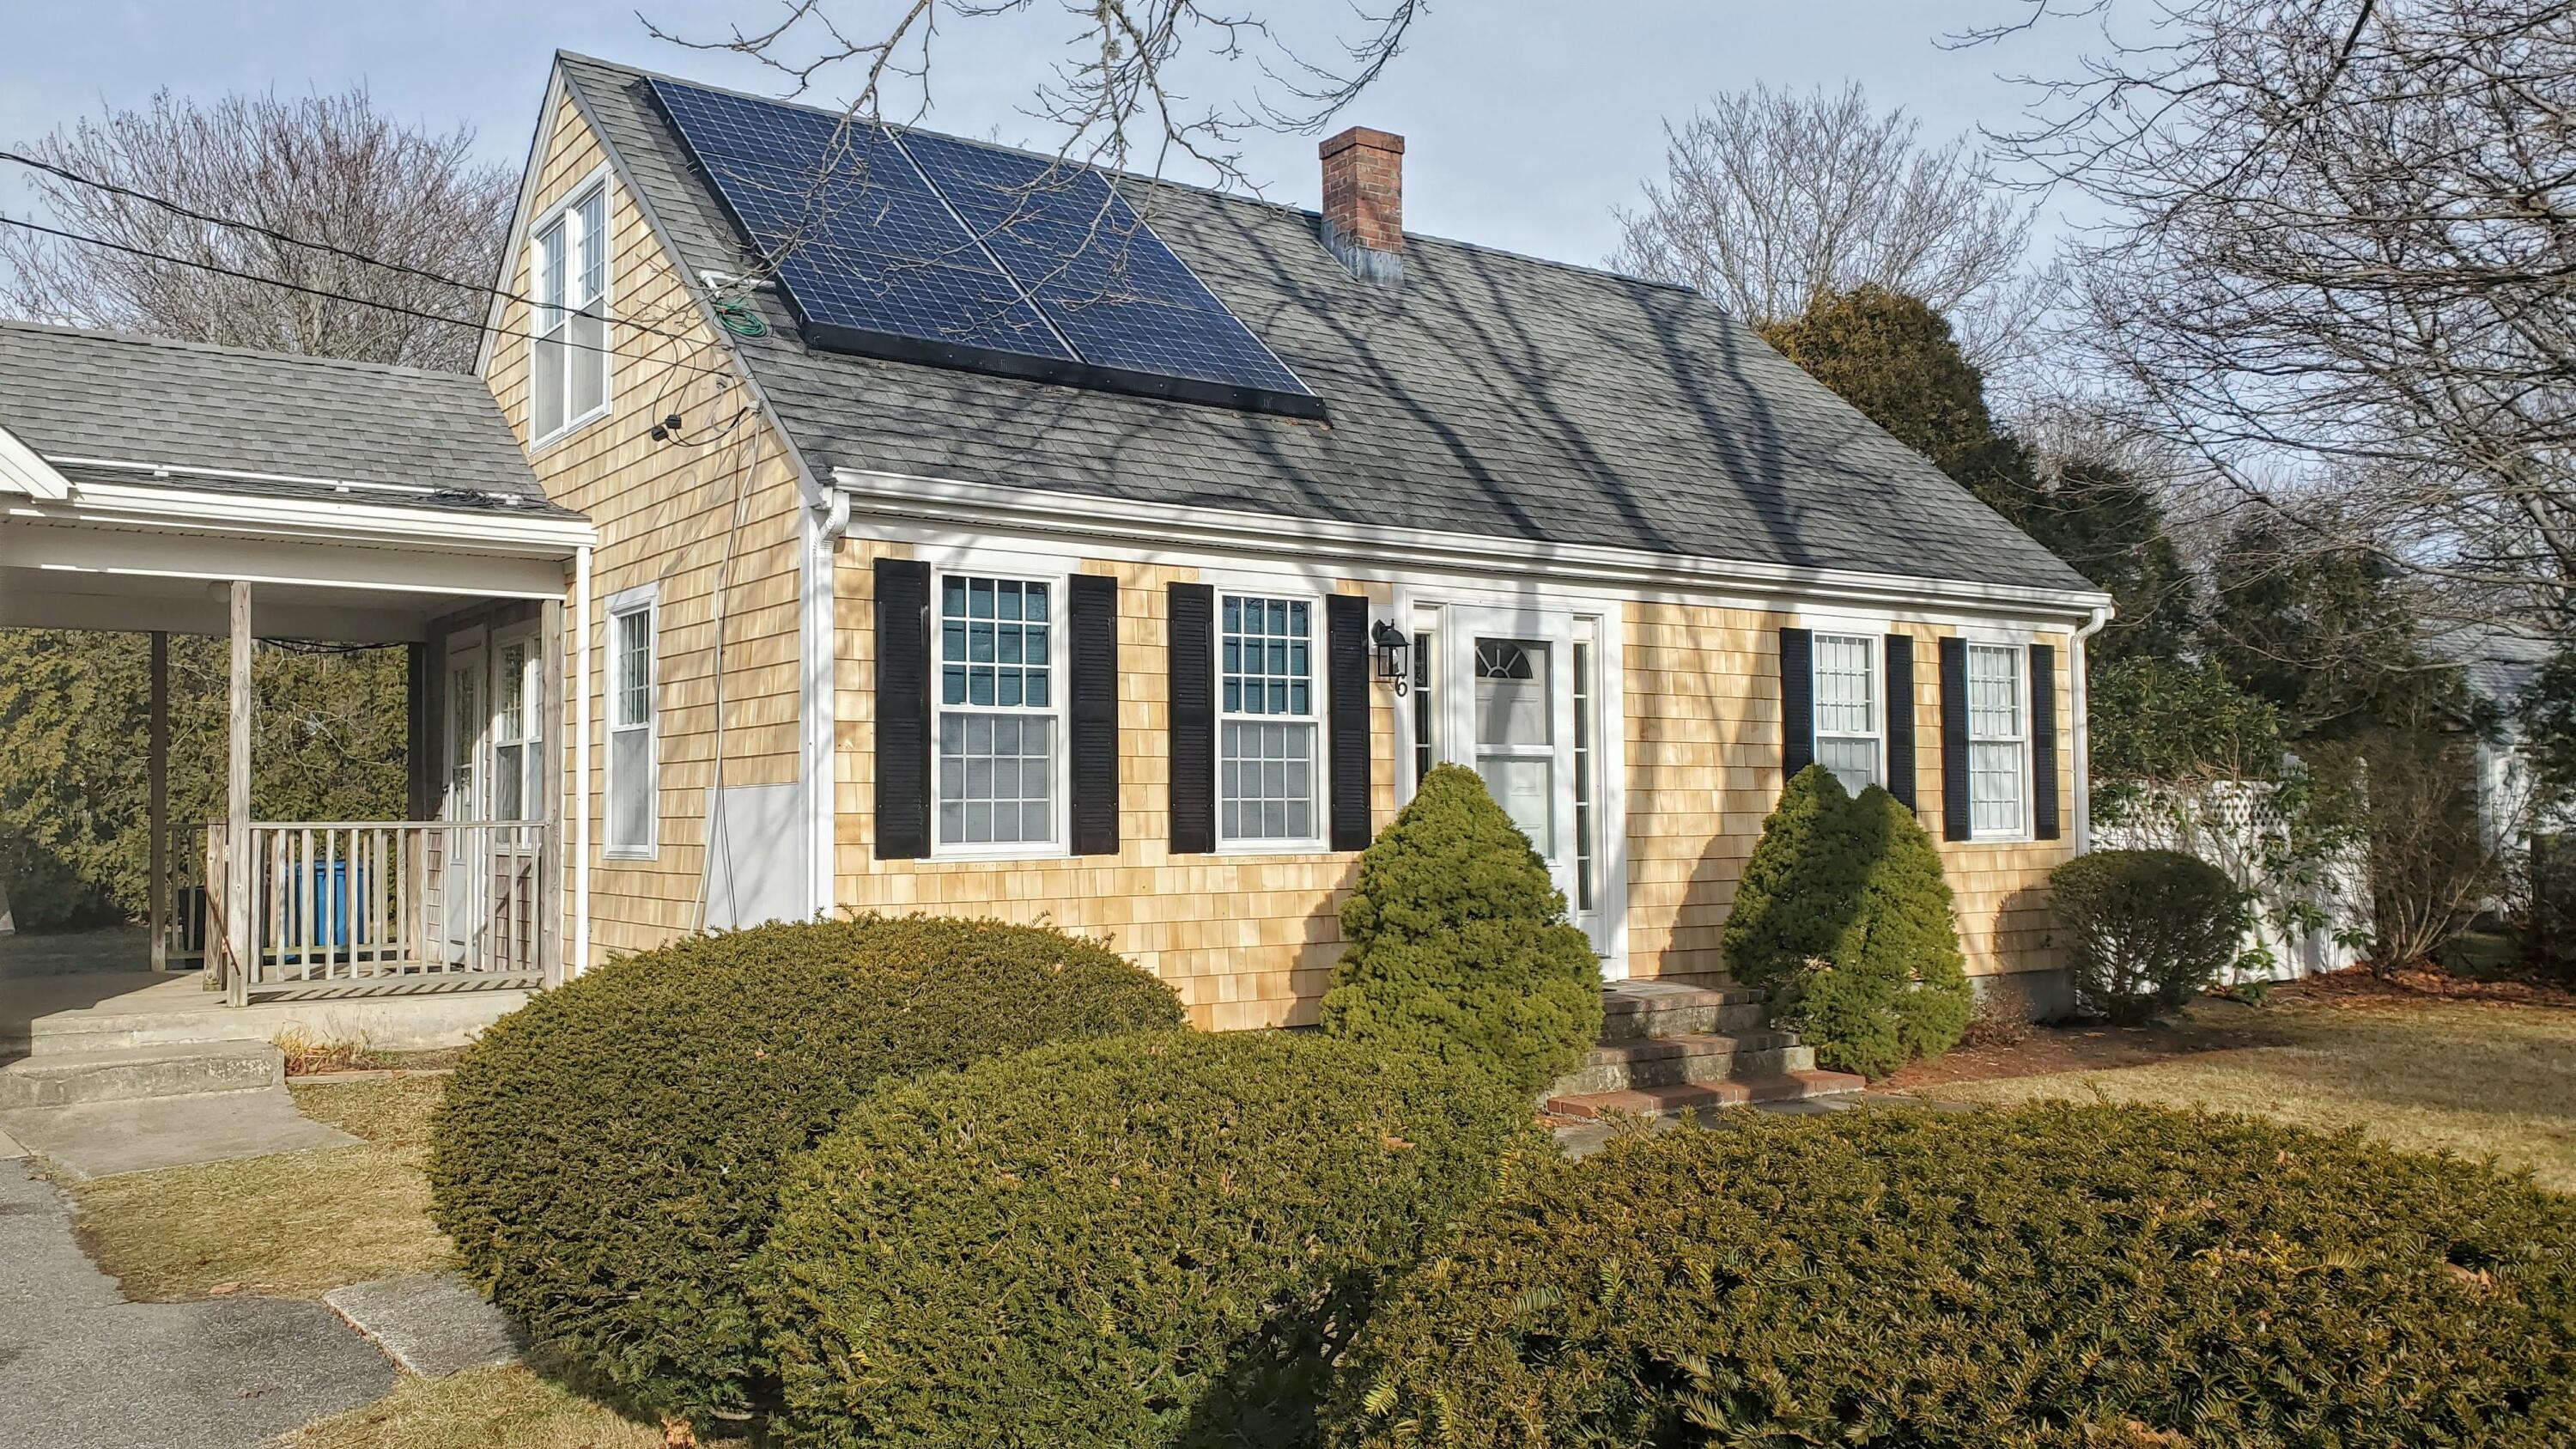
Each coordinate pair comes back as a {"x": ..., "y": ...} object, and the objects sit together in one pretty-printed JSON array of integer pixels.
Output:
[
  {"x": 183, "y": 925},
  {"x": 355, "y": 903}
]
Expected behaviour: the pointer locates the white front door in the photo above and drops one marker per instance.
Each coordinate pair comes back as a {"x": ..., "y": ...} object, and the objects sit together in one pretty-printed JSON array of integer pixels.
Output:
[{"x": 1517, "y": 700}]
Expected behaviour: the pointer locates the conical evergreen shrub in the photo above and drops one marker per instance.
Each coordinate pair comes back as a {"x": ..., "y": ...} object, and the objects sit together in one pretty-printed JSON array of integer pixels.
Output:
[
  {"x": 1800, "y": 888},
  {"x": 1459, "y": 946},
  {"x": 1845, "y": 918}
]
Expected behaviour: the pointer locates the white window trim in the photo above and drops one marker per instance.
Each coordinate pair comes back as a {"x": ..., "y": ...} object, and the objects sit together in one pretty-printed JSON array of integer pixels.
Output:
[
  {"x": 1319, "y": 700},
  {"x": 2019, "y": 650},
  {"x": 1018, "y": 568},
  {"x": 647, "y": 600},
  {"x": 1874, "y": 655},
  {"x": 595, "y": 182}
]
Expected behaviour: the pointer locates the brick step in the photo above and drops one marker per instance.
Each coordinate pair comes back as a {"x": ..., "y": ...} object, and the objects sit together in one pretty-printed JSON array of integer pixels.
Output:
[
  {"x": 1684, "y": 1097},
  {"x": 1631, "y": 1010},
  {"x": 1616, "y": 1066},
  {"x": 67, "y": 1079}
]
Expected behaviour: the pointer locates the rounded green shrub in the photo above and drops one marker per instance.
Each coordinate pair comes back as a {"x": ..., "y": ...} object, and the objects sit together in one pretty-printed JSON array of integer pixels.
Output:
[
  {"x": 2054, "y": 1276},
  {"x": 1156, "y": 1240},
  {"x": 1845, "y": 917},
  {"x": 607, "y": 1157},
  {"x": 1458, "y": 943},
  {"x": 2146, "y": 929}
]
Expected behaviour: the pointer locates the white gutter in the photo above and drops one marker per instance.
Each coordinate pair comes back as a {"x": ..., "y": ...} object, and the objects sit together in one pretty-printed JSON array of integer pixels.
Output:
[
  {"x": 1390, "y": 549},
  {"x": 490, "y": 531},
  {"x": 2079, "y": 686},
  {"x": 581, "y": 766}
]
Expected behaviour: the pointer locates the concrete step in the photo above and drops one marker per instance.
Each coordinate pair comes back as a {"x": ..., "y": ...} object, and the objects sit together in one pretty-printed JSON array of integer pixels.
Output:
[
  {"x": 68, "y": 1079},
  {"x": 1616, "y": 1066},
  {"x": 1632, "y": 1010},
  {"x": 1690, "y": 1096}
]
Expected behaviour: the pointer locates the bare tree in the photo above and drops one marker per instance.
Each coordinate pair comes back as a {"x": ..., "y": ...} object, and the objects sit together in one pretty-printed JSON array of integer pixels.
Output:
[
  {"x": 2342, "y": 258},
  {"x": 325, "y": 168},
  {"x": 1118, "y": 98},
  {"x": 1772, "y": 196}
]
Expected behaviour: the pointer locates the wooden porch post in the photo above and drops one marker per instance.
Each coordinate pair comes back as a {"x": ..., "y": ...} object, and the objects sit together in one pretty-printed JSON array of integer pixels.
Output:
[
  {"x": 550, "y": 754},
  {"x": 158, "y": 750},
  {"x": 241, "y": 896}
]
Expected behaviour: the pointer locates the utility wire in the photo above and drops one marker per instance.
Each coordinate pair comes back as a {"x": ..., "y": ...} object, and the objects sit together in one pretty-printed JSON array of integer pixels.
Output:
[
  {"x": 395, "y": 307},
  {"x": 273, "y": 234}
]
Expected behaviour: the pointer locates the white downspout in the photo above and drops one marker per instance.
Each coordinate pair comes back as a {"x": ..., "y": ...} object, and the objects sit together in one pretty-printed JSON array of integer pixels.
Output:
[
  {"x": 581, "y": 764},
  {"x": 2078, "y": 687},
  {"x": 825, "y": 525}
]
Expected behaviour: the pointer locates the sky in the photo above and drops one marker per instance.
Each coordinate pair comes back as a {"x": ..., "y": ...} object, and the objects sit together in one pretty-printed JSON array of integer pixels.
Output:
[{"x": 1526, "y": 121}]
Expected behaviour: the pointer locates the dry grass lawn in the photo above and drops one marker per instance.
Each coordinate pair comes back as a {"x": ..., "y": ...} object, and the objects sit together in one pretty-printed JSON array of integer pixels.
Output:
[
  {"x": 291, "y": 1226},
  {"x": 490, "y": 1408},
  {"x": 2472, "y": 1078}
]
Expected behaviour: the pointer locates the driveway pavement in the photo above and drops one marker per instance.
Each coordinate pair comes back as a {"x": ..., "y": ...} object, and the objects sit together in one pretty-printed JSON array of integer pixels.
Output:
[{"x": 81, "y": 1368}]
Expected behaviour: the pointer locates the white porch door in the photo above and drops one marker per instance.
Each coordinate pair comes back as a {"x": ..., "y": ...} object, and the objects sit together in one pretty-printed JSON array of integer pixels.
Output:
[
  {"x": 1517, "y": 701},
  {"x": 465, "y": 859}
]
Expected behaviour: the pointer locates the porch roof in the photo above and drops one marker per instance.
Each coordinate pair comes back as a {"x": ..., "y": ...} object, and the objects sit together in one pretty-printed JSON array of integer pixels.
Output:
[{"x": 107, "y": 407}]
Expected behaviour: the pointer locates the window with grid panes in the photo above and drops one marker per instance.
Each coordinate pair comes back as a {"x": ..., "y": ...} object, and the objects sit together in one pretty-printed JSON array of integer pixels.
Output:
[
  {"x": 1998, "y": 741},
  {"x": 568, "y": 357},
  {"x": 999, "y": 710},
  {"x": 1266, "y": 720},
  {"x": 1847, "y": 709}
]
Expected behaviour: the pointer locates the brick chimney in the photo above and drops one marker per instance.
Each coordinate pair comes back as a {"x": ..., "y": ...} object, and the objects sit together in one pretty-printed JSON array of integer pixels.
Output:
[{"x": 1364, "y": 203}]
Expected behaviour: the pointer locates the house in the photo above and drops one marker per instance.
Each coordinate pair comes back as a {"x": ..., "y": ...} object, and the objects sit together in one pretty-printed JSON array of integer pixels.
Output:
[
  {"x": 970, "y": 534},
  {"x": 1639, "y": 564}
]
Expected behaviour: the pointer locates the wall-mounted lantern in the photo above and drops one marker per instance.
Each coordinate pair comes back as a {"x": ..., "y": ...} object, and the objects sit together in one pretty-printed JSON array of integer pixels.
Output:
[{"x": 1392, "y": 651}]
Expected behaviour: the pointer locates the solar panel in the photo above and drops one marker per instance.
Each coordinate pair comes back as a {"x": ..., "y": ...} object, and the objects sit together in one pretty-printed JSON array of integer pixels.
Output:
[
  {"x": 870, "y": 257},
  {"x": 929, "y": 249},
  {"x": 1101, "y": 275}
]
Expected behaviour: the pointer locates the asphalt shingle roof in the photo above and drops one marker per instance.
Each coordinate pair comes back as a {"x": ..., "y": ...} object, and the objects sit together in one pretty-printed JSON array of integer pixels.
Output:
[
  {"x": 1490, "y": 394},
  {"x": 69, "y": 393}
]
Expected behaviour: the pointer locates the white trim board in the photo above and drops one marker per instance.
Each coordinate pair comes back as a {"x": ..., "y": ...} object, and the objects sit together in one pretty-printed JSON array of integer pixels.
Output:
[
  {"x": 23, "y": 470},
  {"x": 1156, "y": 531}
]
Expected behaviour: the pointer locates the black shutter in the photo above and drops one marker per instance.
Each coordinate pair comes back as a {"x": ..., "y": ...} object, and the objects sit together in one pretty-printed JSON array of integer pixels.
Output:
[
  {"x": 2043, "y": 740},
  {"x": 1091, "y": 642},
  {"x": 1193, "y": 718},
  {"x": 1797, "y": 700},
  {"x": 903, "y": 709},
  {"x": 1346, "y": 689},
  {"x": 1956, "y": 824},
  {"x": 1900, "y": 718}
]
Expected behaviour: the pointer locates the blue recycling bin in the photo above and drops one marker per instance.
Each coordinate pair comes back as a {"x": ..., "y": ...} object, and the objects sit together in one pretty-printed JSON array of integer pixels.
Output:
[{"x": 326, "y": 916}]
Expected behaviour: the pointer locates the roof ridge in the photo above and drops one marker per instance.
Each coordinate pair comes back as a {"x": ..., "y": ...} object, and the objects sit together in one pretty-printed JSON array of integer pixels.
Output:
[
  {"x": 1145, "y": 178},
  {"x": 182, "y": 344}
]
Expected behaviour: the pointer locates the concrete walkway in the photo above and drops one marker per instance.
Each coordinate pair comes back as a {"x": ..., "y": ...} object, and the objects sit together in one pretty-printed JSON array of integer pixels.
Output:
[{"x": 81, "y": 1368}]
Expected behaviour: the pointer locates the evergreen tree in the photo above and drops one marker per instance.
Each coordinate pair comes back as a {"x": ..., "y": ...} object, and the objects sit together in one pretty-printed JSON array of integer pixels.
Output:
[
  {"x": 1800, "y": 887},
  {"x": 1459, "y": 946}
]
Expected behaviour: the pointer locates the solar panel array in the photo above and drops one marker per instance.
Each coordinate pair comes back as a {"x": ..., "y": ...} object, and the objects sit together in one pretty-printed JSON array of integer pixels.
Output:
[{"x": 929, "y": 249}]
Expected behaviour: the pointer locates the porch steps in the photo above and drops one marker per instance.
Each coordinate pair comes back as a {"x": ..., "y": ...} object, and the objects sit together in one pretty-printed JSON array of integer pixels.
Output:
[
  {"x": 1667, "y": 1048},
  {"x": 72, "y": 1079}
]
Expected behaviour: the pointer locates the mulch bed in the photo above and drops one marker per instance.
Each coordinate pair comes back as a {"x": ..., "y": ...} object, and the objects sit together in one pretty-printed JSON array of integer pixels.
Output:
[
  {"x": 2051, "y": 1049},
  {"x": 2359, "y": 986}
]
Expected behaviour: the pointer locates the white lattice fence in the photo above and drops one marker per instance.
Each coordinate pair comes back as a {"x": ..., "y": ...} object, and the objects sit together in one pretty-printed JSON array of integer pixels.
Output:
[{"x": 2305, "y": 913}]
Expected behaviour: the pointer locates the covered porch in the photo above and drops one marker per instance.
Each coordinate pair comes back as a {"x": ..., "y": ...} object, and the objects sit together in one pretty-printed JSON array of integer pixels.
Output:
[{"x": 465, "y": 890}]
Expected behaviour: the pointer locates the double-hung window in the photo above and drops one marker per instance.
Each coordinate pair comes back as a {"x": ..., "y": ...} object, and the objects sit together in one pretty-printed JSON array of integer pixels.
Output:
[
  {"x": 1998, "y": 742},
  {"x": 1266, "y": 721},
  {"x": 568, "y": 360},
  {"x": 1849, "y": 721},
  {"x": 999, "y": 712},
  {"x": 633, "y": 788}
]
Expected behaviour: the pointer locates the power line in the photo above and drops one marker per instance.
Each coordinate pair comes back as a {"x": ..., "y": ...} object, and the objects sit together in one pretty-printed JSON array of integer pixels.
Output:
[
  {"x": 272, "y": 233},
  {"x": 394, "y": 307}
]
